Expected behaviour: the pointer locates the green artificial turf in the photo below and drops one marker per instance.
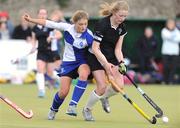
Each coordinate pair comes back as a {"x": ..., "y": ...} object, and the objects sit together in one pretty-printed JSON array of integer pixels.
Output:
[{"x": 122, "y": 115}]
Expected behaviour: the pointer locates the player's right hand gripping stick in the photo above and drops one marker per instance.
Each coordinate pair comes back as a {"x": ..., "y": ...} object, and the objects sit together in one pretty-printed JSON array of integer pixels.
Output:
[{"x": 122, "y": 67}]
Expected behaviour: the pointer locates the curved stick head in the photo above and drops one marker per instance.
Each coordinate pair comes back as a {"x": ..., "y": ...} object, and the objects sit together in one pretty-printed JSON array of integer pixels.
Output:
[
  {"x": 153, "y": 121},
  {"x": 29, "y": 114},
  {"x": 160, "y": 114}
]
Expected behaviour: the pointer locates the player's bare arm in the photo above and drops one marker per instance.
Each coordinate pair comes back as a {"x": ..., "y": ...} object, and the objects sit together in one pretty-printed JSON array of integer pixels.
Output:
[
  {"x": 118, "y": 49},
  {"x": 28, "y": 18},
  {"x": 101, "y": 58}
]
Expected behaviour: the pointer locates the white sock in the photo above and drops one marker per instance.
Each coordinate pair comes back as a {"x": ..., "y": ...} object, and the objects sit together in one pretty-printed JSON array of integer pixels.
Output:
[
  {"x": 109, "y": 92},
  {"x": 55, "y": 76},
  {"x": 93, "y": 98},
  {"x": 40, "y": 81}
]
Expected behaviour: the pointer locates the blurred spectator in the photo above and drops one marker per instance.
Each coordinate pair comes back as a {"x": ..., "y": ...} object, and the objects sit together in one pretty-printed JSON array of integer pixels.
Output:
[
  {"x": 22, "y": 31},
  {"x": 55, "y": 36},
  {"x": 4, "y": 32},
  {"x": 45, "y": 56},
  {"x": 58, "y": 16},
  {"x": 4, "y": 17},
  {"x": 54, "y": 39},
  {"x": 146, "y": 47},
  {"x": 170, "y": 50},
  {"x": 153, "y": 76},
  {"x": 178, "y": 21},
  {"x": 178, "y": 26}
]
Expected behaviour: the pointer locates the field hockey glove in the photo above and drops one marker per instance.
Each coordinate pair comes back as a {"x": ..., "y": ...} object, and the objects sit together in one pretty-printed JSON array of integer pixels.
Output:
[{"x": 122, "y": 67}]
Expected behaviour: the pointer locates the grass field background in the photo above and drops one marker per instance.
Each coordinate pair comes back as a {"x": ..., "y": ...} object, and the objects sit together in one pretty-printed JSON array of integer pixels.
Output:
[{"x": 123, "y": 115}]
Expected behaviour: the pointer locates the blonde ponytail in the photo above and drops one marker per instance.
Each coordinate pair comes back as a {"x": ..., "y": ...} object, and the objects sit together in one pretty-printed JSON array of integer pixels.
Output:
[
  {"x": 108, "y": 9},
  {"x": 105, "y": 9}
]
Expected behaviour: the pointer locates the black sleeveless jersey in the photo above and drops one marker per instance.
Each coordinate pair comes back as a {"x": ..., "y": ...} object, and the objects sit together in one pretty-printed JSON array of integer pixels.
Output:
[{"x": 108, "y": 37}]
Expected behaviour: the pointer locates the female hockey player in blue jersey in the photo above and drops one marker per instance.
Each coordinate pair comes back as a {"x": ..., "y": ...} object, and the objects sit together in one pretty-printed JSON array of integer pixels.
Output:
[{"x": 77, "y": 38}]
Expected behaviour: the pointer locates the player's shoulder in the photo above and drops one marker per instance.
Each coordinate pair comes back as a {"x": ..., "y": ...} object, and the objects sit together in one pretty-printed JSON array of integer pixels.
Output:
[
  {"x": 89, "y": 32},
  {"x": 34, "y": 28},
  {"x": 103, "y": 21},
  {"x": 102, "y": 24},
  {"x": 70, "y": 27},
  {"x": 67, "y": 25}
]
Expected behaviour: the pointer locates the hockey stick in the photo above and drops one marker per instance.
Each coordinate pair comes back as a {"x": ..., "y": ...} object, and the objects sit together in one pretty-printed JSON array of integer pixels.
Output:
[
  {"x": 157, "y": 108},
  {"x": 27, "y": 115},
  {"x": 151, "y": 120}
]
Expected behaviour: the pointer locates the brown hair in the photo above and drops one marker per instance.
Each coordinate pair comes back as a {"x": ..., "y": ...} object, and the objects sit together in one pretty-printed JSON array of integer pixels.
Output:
[
  {"x": 108, "y": 9},
  {"x": 79, "y": 14}
]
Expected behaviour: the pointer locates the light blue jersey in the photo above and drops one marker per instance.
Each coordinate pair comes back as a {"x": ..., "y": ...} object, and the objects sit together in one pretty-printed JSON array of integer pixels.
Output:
[{"x": 76, "y": 45}]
